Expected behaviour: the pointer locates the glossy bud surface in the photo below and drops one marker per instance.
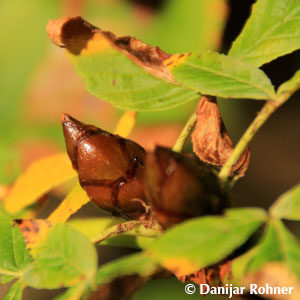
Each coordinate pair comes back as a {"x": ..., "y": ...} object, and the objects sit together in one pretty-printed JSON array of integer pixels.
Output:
[
  {"x": 110, "y": 168},
  {"x": 179, "y": 187}
]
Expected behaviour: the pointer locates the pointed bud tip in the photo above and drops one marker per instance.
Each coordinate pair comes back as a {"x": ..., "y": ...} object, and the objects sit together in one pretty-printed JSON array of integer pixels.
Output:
[{"x": 65, "y": 117}]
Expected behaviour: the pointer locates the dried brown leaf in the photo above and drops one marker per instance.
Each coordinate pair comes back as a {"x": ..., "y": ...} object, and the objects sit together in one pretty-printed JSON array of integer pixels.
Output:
[
  {"x": 211, "y": 141},
  {"x": 79, "y": 36}
]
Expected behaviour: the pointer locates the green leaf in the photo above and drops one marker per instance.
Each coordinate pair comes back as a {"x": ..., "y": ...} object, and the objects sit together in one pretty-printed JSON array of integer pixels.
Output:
[
  {"x": 14, "y": 258},
  {"x": 278, "y": 245},
  {"x": 272, "y": 30},
  {"x": 65, "y": 258},
  {"x": 287, "y": 206},
  {"x": 91, "y": 227},
  {"x": 291, "y": 86},
  {"x": 239, "y": 267},
  {"x": 15, "y": 292},
  {"x": 111, "y": 76},
  {"x": 220, "y": 75},
  {"x": 128, "y": 265},
  {"x": 200, "y": 242},
  {"x": 6, "y": 278},
  {"x": 73, "y": 293}
]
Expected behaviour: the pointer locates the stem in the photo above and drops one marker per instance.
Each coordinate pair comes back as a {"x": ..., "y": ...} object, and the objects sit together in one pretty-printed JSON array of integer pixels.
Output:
[
  {"x": 185, "y": 133},
  {"x": 125, "y": 227},
  {"x": 268, "y": 109},
  {"x": 11, "y": 273}
]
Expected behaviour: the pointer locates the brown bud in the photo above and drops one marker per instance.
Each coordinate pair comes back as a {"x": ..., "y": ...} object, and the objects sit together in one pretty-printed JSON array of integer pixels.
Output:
[
  {"x": 110, "y": 168},
  {"x": 180, "y": 187},
  {"x": 211, "y": 141}
]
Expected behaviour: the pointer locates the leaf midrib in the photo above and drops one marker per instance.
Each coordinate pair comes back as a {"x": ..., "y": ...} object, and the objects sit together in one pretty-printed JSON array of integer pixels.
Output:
[
  {"x": 262, "y": 38},
  {"x": 229, "y": 77}
]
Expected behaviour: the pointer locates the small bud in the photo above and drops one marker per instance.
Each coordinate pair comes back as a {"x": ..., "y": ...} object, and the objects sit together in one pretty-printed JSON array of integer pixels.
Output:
[
  {"x": 180, "y": 187},
  {"x": 110, "y": 168}
]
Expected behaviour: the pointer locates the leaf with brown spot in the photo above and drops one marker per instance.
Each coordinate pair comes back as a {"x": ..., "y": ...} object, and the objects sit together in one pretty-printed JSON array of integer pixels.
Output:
[
  {"x": 34, "y": 231},
  {"x": 211, "y": 141},
  {"x": 125, "y": 71},
  {"x": 135, "y": 76}
]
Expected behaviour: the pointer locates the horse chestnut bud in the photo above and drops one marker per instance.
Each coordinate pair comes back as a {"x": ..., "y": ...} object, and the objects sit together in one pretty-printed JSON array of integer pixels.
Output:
[
  {"x": 180, "y": 187},
  {"x": 110, "y": 168}
]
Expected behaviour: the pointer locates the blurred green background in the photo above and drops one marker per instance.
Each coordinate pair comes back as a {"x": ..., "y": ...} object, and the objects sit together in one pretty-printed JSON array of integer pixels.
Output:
[{"x": 38, "y": 84}]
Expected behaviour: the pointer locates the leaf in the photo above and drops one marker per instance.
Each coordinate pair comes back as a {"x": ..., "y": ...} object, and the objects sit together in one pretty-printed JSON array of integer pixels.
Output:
[
  {"x": 203, "y": 20},
  {"x": 272, "y": 30},
  {"x": 6, "y": 278},
  {"x": 132, "y": 264},
  {"x": 195, "y": 244},
  {"x": 125, "y": 124},
  {"x": 14, "y": 258},
  {"x": 64, "y": 258},
  {"x": 91, "y": 227},
  {"x": 121, "y": 70},
  {"x": 75, "y": 199},
  {"x": 15, "y": 291},
  {"x": 40, "y": 177},
  {"x": 278, "y": 245},
  {"x": 287, "y": 206},
  {"x": 239, "y": 266},
  {"x": 219, "y": 75},
  {"x": 33, "y": 230},
  {"x": 211, "y": 141},
  {"x": 73, "y": 293},
  {"x": 291, "y": 86}
]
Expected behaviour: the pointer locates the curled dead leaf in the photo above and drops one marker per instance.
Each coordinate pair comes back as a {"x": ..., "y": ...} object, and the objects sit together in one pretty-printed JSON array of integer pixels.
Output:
[
  {"x": 81, "y": 38},
  {"x": 211, "y": 141}
]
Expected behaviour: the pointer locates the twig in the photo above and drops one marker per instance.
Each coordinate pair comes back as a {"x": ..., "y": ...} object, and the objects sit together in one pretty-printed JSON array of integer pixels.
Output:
[
  {"x": 268, "y": 109},
  {"x": 125, "y": 227},
  {"x": 185, "y": 133}
]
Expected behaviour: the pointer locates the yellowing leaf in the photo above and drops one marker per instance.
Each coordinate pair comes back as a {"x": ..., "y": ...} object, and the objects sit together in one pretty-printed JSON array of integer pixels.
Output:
[
  {"x": 73, "y": 201},
  {"x": 125, "y": 124},
  {"x": 40, "y": 177}
]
